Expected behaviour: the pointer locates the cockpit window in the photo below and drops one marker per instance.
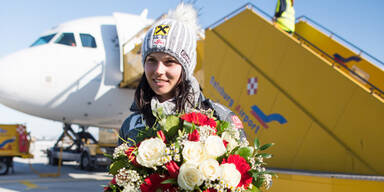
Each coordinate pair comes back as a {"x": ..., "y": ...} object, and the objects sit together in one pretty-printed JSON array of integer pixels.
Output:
[
  {"x": 43, "y": 40},
  {"x": 67, "y": 39},
  {"x": 87, "y": 40}
]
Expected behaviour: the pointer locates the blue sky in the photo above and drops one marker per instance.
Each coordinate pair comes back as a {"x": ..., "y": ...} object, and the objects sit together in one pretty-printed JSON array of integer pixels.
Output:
[{"x": 22, "y": 22}]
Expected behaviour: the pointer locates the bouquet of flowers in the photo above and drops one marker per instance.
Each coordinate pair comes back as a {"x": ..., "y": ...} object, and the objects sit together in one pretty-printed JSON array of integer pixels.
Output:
[{"x": 189, "y": 152}]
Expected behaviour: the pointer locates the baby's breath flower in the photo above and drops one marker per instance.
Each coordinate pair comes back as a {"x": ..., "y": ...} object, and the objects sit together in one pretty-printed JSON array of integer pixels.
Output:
[
  {"x": 177, "y": 157},
  {"x": 120, "y": 150},
  {"x": 173, "y": 146},
  {"x": 182, "y": 138},
  {"x": 165, "y": 159},
  {"x": 205, "y": 132},
  {"x": 126, "y": 177},
  {"x": 167, "y": 151},
  {"x": 267, "y": 181},
  {"x": 131, "y": 188}
]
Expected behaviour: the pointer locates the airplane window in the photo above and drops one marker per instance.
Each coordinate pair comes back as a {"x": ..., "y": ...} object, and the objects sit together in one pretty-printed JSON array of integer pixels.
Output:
[
  {"x": 67, "y": 39},
  {"x": 87, "y": 40},
  {"x": 43, "y": 40}
]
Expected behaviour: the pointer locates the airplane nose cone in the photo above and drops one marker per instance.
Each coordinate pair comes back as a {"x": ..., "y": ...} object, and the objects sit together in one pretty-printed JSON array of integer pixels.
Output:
[
  {"x": 8, "y": 75},
  {"x": 17, "y": 73}
]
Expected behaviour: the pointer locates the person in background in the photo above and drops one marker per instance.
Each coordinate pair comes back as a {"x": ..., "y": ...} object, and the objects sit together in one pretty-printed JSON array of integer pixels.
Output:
[
  {"x": 169, "y": 59},
  {"x": 285, "y": 15}
]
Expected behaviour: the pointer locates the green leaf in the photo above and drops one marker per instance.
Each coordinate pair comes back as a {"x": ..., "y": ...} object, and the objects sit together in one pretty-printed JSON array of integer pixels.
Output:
[
  {"x": 115, "y": 166},
  {"x": 265, "y": 155},
  {"x": 159, "y": 114},
  {"x": 188, "y": 127},
  {"x": 256, "y": 143},
  {"x": 108, "y": 156},
  {"x": 169, "y": 181},
  {"x": 253, "y": 188},
  {"x": 266, "y": 146},
  {"x": 234, "y": 150},
  {"x": 258, "y": 182},
  {"x": 222, "y": 126},
  {"x": 172, "y": 125},
  {"x": 145, "y": 133},
  {"x": 177, "y": 145},
  {"x": 245, "y": 152}
]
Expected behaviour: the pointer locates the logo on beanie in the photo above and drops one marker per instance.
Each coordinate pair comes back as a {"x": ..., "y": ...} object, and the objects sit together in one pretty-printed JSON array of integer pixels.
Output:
[
  {"x": 162, "y": 30},
  {"x": 159, "y": 42},
  {"x": 185, "y": 56}
]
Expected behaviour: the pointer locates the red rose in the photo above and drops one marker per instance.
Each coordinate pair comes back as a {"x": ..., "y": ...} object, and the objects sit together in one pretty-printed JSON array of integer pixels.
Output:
[
  {"x": 173, "y": 169},
  {"x": 190, "y": 117},
  {"x": 153, "y": 183},
  {"x": 225, "y": 143},
  {"x": 131, "y": 156},
  {"x": 194, "y": 136},
  {"x": 198, "y": 119},
  {"x": 212, "y": 123},
  {"x": 162, "y": 136},
  {"x": 242, "y": 166}
]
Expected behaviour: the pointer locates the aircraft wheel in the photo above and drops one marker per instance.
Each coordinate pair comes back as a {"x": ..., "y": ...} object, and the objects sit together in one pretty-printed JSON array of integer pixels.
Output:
[
  {"x": 52, "y": 160},
  {"x": 3, "y": 167},
  {"x": 85, "y": 162}
]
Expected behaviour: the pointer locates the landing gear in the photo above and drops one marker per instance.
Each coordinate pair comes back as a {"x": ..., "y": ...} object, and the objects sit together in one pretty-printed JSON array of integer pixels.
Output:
[
  {"x": 52, "y": 160},
  {"x": 71, "y": 147},
  {"x": 86, "y": 162}
]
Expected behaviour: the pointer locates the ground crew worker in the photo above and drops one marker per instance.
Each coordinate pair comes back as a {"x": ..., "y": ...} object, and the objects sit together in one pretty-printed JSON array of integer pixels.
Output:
[{"x": 285, "y": 15}]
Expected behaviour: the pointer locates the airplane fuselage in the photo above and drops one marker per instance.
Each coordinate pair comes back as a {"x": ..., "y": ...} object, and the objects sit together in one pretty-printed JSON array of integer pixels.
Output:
[{"x": 71, "y": 74}]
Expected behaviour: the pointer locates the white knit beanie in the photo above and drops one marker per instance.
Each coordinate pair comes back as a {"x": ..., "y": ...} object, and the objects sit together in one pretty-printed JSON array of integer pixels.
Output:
[{"x": 175, "y": 35}]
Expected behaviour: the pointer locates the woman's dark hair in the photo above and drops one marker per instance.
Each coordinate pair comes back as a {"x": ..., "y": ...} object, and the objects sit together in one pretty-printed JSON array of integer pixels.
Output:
[{"x": 144, "y": 94}]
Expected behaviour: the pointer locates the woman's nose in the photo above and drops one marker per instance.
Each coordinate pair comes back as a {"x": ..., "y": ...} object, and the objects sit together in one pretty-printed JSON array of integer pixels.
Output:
[{"x": 160, "y": 68}]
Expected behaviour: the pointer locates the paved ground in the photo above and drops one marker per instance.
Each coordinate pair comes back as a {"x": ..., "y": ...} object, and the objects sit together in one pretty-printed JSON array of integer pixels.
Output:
[{"x": 71, "y": 178}]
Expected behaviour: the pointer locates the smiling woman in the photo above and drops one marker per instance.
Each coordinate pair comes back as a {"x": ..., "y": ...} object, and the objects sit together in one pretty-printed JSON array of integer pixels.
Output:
[{"x": 169, "y": 59}]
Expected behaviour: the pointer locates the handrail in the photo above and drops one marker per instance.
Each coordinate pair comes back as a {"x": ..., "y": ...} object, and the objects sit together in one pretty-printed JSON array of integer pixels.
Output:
[
  {"x": 339, "y": 37},
  {"x": 247, "y": 5},
  {"x": 351, "y": 71},
  {"x": 250, "y": 5},
  {"x": 230, "y": 15}
]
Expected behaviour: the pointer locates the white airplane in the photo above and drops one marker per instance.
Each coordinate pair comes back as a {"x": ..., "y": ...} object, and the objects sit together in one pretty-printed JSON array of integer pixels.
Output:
[{"x": 72, "y": 72}]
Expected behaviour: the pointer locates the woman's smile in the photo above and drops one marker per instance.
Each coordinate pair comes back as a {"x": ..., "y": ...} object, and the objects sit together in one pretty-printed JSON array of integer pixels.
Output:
[{"x": 160, "y": 82}]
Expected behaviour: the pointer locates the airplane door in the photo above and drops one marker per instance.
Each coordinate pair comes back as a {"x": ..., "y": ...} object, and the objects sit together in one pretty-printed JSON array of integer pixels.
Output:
[{"x": 112, "y": 74}]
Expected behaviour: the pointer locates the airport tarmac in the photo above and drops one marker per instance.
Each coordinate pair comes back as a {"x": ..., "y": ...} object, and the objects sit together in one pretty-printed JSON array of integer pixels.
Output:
[{"x": 71, "y": 178}]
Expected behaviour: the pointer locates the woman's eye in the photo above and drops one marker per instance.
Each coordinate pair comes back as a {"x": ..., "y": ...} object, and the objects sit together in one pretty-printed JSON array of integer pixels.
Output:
[
  {"x": 171, "y": 61},
  {"x": 150, "y": 60}
]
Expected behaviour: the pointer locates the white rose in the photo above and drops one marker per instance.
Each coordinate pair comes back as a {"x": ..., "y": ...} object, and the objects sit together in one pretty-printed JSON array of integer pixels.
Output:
[
  {"x": 193, "y": 152},
  {"x": 210, "y": 169},
  {"x": 150, "y": 152},
  {"x": 232, "y": 143},
  {"x": 214, "y": 146},
  {"x": 189, "y": 176},
  {"x": 230, "y": 175}
]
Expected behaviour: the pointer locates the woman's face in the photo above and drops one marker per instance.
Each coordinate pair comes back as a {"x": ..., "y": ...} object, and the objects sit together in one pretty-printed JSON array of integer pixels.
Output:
[{"x": 163, "y": 73}]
